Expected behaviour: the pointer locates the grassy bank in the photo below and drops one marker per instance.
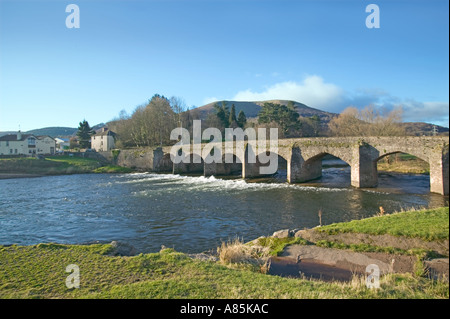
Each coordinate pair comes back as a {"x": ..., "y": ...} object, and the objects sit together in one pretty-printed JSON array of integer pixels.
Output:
[
  {"x": 39, "y": 272},
  {"x": 429, "y": 224},
  {"x": 57, "y": 165}
]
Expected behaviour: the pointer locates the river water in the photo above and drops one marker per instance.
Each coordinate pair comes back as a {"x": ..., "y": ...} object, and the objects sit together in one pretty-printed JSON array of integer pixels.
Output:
[{"x": 190, "y": 213}]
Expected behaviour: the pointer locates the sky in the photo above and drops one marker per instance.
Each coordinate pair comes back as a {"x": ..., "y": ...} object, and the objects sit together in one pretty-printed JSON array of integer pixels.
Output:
[{"x": 320, "y": 53}]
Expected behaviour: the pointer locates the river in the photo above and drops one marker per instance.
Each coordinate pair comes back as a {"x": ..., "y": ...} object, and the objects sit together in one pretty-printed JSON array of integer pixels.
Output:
[{"x": 190, "y": 213}]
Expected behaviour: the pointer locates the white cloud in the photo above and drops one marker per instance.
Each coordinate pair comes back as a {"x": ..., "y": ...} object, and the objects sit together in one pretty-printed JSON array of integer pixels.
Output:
[
  {"x": 208, "y": 100},
  {"x": 313, "y": 91},
  {"x": 430, "y": 112}
]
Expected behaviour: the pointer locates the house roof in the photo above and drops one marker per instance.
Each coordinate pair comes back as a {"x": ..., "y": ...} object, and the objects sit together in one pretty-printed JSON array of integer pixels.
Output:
[
  {"x": 105, "y": 133},
  {"x": 13, "y": 137}
]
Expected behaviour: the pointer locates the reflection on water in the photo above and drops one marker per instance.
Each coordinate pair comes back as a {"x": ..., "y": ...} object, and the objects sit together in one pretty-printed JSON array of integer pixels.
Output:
[{"x": 189, "y": 213}]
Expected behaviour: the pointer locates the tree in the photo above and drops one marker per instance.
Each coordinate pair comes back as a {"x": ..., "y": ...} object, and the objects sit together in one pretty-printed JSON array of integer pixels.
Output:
[
  {"x": 241, "y": 119},
  {"x": 367, "y": 122},
  {"x": 232, "y": 120},
  {"x": 223, "y": 114},
  {"x": 84, "y": 134},
  {"x": 286, "y": 117}
]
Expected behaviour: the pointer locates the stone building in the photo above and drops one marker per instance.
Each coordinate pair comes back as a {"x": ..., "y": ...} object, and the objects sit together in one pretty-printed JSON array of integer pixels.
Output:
[{"x": 103, "y": 141}]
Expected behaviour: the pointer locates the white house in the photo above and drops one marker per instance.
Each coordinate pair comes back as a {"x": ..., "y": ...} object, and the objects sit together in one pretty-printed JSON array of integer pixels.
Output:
[
  {"x": 62, "y": 144},
  {"x": 26, "y": 144},
  {"x": 103, "y": 141}
]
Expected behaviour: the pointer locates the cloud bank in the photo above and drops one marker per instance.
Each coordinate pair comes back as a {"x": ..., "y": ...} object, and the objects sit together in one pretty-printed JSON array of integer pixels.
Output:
[{"x": 315, "y": 92}]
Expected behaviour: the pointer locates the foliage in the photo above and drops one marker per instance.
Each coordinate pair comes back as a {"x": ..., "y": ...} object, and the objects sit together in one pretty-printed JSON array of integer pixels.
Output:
[
  {"x": 223, "y": 114},
  {"x": 241, "y": 119},
  {"x": 285, "y": 116},
  {"x": 367, "y": 122},
  {"x": 151, "y": 124},
  {"x": 84, "y": 134}
]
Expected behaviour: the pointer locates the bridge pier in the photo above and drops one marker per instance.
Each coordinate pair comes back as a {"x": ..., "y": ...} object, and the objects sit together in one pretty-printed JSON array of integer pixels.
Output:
[
  {"x": 364, "y": 173},
  {"x": 439, "y": 171}
]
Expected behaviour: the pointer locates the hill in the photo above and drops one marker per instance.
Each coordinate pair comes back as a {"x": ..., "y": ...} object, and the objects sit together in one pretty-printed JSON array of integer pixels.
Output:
[
  {"x": 251, "y": 109},
  {"x": 54, "y": 131},
  {"x": 420, "y": 129}
]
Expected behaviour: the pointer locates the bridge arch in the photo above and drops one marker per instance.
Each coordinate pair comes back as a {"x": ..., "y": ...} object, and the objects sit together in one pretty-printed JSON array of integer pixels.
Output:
[
  {"x": 408, "y": 169},
  {"x": 312, "y": 168}
]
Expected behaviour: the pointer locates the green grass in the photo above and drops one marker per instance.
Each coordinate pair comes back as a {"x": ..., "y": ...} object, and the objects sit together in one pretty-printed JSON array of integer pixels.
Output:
[
  {"x": 57, "y": 165},
  {"x": 277, "y": 245},
  {"x": 39, "y": 272},
  {"x": 429, "y": 224}
]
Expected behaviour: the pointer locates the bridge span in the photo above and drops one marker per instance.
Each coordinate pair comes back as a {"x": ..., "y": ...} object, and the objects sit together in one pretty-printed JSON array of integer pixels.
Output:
[{"x": 303, "y": 158}]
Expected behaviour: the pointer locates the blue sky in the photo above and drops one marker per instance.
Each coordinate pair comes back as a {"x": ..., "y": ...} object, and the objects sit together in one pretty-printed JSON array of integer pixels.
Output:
[{"x": 316, "y": 52}]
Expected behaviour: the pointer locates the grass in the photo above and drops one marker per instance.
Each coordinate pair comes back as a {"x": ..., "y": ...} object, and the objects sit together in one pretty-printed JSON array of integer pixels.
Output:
[
  {"x": 276, "y": 245},
  {"x": 428, "y": 224},
  {"x": 39, "y": 272},
  {"x": 404, "y": 163},
  {"x": 57, "y": 165}
]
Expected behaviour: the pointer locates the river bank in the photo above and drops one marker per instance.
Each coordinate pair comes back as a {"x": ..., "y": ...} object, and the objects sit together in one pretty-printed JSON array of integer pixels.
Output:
[
  {"x": 24, "y": 167},
  {"x": 38, "y": 271}
]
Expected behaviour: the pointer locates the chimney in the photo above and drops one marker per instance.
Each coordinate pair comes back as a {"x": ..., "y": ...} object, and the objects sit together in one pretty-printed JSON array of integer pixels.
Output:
[{"x": 19, "y": 135}]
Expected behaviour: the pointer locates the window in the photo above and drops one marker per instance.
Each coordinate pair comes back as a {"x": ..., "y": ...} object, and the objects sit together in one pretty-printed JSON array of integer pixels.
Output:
[
  {"x": 10, "y": 151},
  {"x": 31, "y": 142},
  {"x": 15, "y": 151},
  {"x": 7, "y": 143}
]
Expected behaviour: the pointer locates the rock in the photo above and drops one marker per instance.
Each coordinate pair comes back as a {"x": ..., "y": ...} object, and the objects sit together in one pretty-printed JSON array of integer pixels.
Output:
[
  {"x": 284, "y": 233},
  {"x": 122, "y": 249}
]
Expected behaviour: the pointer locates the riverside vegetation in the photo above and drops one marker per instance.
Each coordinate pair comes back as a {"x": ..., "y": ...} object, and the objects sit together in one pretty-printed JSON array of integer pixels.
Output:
[{"x": 38, "y": 271}]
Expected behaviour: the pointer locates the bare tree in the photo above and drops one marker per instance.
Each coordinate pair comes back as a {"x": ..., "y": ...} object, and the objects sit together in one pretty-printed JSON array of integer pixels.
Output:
[{"x": 367, "y": 122}]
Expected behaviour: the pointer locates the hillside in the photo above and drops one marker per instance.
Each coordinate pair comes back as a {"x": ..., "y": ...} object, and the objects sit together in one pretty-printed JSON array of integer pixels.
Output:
[
  {"x": 251, "y": 109},
  {"x": 55, "y": 131},
  {"x": 420, "y": 129}
]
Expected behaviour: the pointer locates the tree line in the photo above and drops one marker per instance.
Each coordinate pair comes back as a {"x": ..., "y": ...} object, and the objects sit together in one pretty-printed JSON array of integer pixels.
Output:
[{"x": 151, "y": 123}]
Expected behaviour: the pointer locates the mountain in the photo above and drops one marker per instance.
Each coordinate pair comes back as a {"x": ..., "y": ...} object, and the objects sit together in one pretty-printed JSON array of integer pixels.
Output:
[
  {"x": 420, "y": 129},
  {"x": 251, "y": 109},
  {"x": 56, "y": 131}
]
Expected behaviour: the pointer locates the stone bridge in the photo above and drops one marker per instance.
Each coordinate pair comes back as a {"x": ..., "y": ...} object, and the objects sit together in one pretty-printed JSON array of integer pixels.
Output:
[{"x": 302, "y": 158}]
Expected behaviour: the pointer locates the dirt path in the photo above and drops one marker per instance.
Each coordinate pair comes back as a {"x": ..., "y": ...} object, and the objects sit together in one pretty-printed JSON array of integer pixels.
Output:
[
  {"x": 335, "y": 264},
  {"x": 312, "y": 261}
]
